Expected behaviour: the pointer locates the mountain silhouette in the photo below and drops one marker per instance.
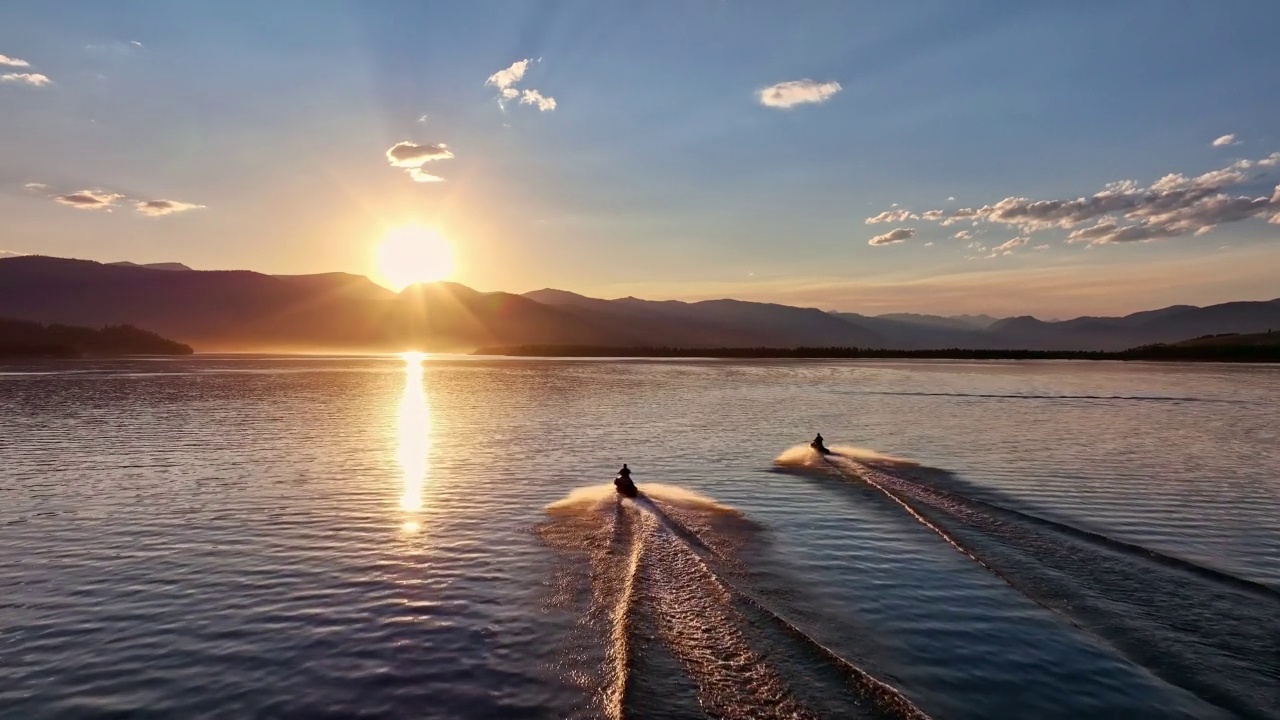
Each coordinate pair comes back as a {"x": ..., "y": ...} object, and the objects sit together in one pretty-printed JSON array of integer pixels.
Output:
[{"x": 238, "y": 310}]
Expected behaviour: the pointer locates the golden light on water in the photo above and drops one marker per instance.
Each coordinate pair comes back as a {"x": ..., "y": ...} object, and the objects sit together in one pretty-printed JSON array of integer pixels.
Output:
[
  {"x": 413, "y": 436},
  {"x": 414, "y": 254}
]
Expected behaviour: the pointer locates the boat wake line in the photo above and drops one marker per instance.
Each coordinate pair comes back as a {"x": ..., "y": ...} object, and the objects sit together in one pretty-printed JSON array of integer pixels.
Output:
[
  {"x": 665, "y": 626},
  {"x": 1199, "y": 628}
]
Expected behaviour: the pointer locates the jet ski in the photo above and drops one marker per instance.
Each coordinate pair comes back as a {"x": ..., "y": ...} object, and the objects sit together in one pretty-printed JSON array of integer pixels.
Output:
[
  {"x": 625, "y": 487},
  {"x": 820, "y": 448}
]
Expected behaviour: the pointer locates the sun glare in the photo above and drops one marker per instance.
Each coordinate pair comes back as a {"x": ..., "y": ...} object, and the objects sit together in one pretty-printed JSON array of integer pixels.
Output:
[{"x": 414, "y": 254}]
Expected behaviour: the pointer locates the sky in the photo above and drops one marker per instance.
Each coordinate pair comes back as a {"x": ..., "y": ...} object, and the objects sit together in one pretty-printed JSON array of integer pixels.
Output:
[{"x": 1055, "y": 159}]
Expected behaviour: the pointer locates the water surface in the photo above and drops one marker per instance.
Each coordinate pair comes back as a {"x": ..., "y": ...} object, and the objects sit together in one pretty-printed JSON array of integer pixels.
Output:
[{"x": 429, "y": 538}]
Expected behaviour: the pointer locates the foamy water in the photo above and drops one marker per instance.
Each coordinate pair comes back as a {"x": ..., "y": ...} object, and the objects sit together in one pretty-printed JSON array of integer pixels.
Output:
[{"x": 285, "y": 537}]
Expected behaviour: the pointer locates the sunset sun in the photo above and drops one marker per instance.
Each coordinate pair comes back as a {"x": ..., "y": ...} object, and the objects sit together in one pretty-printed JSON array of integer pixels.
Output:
[{"x": 414, "y": 254}]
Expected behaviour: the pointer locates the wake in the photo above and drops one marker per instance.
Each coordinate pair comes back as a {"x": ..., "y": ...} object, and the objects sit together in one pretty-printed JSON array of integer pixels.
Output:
[
  {"x": 1202, "y": 629},
  {"x": 656, "y": 582}
]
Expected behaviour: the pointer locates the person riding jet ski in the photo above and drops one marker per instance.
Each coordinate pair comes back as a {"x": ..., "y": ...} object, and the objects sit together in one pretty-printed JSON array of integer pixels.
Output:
[
  {"x": 623, "y": 483},
  {"x": 818, "y": 445}
]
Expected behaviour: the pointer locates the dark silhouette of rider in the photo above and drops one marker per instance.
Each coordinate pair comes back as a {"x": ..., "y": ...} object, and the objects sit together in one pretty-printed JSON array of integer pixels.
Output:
[
  {"x": 625, "y": 472},
  {"x": 817, "y": 442}
]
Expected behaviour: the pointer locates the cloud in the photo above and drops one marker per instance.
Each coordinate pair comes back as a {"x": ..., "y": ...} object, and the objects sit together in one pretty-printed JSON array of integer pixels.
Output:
[
  {"x": 891, "y": 216},
  {"x": 34, "y": 186},
  {"x": 1226, "y": 140},
  {"x": 533, "y": 97},
  {"x": 13, "y": 61},
  {"x": 422, "y": 118},
  {"x": 951, "y": 198},
  {"x": 422, "y": 176},
  {"x": 11, "y": 253},
  {"x": 1008, "y": 247},
  {"x": 1125, "y": 211},
  {"x": 963, "y": 235},
  {"x": 157, "y": 208},
  {"x": 798, "y": 92},
  {"x": 135, "y": 43},
  {"x": 1040, "y": 247},
  {"x": 504, "y": 79},
  {"x": 33, "y": 79},
  {"x": 408, "y": 154},
  {"x": 90, "y": 200},
  {"x": 505, "y": 82},
  {"x": 896, "y": 235}
]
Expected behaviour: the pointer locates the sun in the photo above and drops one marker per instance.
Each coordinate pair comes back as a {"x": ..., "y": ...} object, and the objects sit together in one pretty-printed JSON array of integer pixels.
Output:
[{"x": 414, "y": 254}]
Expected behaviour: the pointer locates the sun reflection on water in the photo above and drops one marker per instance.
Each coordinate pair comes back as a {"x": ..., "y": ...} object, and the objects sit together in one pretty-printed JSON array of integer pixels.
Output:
[{"x": 413, "y": 431}]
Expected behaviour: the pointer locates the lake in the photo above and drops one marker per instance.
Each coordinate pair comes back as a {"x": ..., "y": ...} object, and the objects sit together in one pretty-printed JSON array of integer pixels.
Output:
[{"x": 392, "y": 537}]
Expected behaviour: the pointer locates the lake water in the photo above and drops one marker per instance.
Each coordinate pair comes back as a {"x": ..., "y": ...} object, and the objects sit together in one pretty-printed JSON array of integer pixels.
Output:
[{"x": 386, "y": 537}]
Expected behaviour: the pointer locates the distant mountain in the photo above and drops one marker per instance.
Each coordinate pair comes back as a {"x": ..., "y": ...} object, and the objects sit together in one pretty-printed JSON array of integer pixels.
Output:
[
  {"x": 241, "y": 310},
  {"x": 153, "y": 266},
  {"x": 718, "y": 323},
  {"x": 19, "y": 338}
]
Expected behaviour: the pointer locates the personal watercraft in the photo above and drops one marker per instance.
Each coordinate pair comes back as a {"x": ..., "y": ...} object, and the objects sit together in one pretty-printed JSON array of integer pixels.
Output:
[
  {"x": 625, "y": 487},
  {"x": 820, "y": 448}
]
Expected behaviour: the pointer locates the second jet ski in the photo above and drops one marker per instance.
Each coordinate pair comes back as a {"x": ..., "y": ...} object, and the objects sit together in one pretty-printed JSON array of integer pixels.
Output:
[{"x": 819, "y": 446}]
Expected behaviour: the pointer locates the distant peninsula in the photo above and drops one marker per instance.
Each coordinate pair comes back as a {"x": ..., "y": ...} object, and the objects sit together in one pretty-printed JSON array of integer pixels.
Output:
[
  {"x": 22, "y": 339},
  {"x": 1254, "y": 348}
]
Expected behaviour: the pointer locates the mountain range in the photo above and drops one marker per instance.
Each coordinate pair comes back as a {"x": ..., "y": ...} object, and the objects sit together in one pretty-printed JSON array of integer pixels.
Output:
[{"x": 242, "y": 311}]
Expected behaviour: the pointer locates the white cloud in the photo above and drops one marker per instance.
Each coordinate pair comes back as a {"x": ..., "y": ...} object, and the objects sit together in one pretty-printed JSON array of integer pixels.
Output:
[
  {"x": 157, "y": 208},
  {"x": 90, "y": 200},
  {"x": 1226, "y": 140},
  {"x": 951, "y": 198},
  {"x": 1040, "y": 247},
  {"x": 1007, "y": 247},
  {"x": 1124, "y": 211},
  {"x": 35, "y": 186},
  {"x": 963, "y": 235},
  {"x": 533, "y": 97},
  {"x": 505, "y": 82},
  {"x": 13, "y": 61},
  {"x": 891, "y": 216},
  {"x": 422, "y": 118},
  {"x": 798, "y": 92},
  {"x": 422, "y": 176},
  {"x": 34, "y": 79},
  {"x": 11, "y": 253},
  {"x": 896, "y": 235},
  {"x": 504, "y": 79},
  {"x": 408, "y": 154},
  {"x": 135, "y": 43}
]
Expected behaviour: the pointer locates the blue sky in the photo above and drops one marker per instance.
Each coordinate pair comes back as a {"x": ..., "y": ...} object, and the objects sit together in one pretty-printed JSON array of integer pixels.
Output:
[{"x": 660, "y": 171}]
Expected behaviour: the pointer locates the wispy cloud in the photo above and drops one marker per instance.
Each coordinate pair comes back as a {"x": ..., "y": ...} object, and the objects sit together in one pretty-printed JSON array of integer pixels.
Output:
[
  {"x": 411, "y": 156},
  {"x": 1226, "y": 140},
  {"x": 798, "y": 92},
  {"x": 891, "y": 216},
  {"x": 90, "y": 200},
  {"x": 408, "y": 154},
  {"x": 1124, "y": 211},
  {"x": 11, "y": 253},
  {"x": 533, "y": 97},
  {"x": 504, "y": 81},
  {"x": 963, "y": 235},
  {"x": 35, "y": 186},
  {"x": 157, "y": 208},
  {"x": 13, "y": 61},
  {"x": 422, "y": 176},
  {"x": 896, "y": 235},
  {"x": 33, "y": 79}
]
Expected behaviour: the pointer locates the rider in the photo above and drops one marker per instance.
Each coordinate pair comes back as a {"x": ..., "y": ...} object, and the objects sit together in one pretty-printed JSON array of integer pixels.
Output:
[
  {"x": 817, "y": 442},
  {"x": 625, "y": 473}
]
